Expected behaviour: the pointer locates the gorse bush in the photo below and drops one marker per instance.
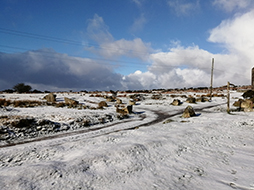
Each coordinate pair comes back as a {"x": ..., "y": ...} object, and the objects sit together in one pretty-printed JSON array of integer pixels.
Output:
[
  {"x": 22, "y": 88},
  {"x": 4, "y": 102},
  {"x": 26, "y": 103},
  {"x": 20, "y": 103}
]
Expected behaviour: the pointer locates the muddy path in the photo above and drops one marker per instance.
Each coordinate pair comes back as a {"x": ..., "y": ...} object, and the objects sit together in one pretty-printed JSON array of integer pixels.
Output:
[{"x": 160, "y": 116}]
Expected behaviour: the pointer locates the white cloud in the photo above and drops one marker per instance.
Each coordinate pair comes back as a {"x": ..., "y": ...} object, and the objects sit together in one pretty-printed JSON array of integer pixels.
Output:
[
  {"x": 183, "y": 7},
  {"x": 139, "y": 80},
  {"x": 135, "y": 49},
  {"x": 177, "y": 68},
  {"x": 182, "y": 67},
  {"x": 230, "y": 5},
  {"x": 236, "y": 34},
  {"x": 191, "y": 66},
  {"x": 110, "y": 48}
]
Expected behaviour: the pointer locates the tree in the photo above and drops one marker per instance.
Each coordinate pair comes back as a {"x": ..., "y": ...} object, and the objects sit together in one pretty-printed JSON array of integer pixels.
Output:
[{"x": 22, "y": 88}]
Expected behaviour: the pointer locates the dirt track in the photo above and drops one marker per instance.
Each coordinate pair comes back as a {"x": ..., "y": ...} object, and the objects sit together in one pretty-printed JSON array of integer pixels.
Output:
[{"x": 161, "y": 116}]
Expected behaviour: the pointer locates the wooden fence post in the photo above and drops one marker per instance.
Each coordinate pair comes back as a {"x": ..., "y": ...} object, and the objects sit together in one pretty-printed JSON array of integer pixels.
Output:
[
  {"x": 228, "y": 97},
  {"x": 211, "y": 86}
]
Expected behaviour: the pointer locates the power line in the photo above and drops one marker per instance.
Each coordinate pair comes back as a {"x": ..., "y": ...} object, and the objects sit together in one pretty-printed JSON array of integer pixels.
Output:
[
  {"x": 119, "y": 62},
  {"x": 38, "y": 36},
  {"x": 77, "y": 43},
  {"x": 71, "y": 57},
  {"x": 59, "y": 40}
]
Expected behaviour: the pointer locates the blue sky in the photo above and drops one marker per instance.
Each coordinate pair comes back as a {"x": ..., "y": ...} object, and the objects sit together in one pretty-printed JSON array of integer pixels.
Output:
[{"x": 128, "y": 44}]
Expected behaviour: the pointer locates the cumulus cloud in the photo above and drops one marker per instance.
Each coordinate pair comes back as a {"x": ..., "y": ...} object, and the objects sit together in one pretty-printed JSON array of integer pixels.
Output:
[
  {"x": 176, "y": 68},
  {"x": 111, "y": 48},
  {"x": 230, "y": 5},
  {"x": 139, "y": 80},
  {"x": 180, "y": 67},
  {"x": 191, "y": 66},
  {"x": 49, "y": 70},
  {"x": 237, "y": 37},
  {"x": 236, "y": 34},
  {"x": 183, "y": 7}
]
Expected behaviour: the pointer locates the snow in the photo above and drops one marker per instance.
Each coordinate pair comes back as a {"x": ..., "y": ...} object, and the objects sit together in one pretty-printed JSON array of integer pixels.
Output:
[{"x": 214, "y": 150}]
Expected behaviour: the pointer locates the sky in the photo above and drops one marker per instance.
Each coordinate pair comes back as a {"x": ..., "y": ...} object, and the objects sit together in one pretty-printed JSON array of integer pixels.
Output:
[{"x": 125, "y": 45}]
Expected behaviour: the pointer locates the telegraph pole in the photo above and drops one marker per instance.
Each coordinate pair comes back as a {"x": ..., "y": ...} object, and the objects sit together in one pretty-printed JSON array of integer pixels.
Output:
[
  {"x": 252, "y": 78},
  {"x": 211, "y": 87}
]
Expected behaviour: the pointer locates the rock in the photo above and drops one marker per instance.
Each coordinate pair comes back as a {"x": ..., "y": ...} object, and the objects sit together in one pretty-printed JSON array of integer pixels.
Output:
[
  {"x": 176, "y": 102},
  {"x": 119, "y": 101},
  {"x": 247, "y": 105},
  {"x": 42, "y": 122},
  {"x": 38, "y": 128},
  {"x": 137, "y": 97},
  {"x": 129, "y": 108},
  {"x": 132, "y": 102},
  {"x": 123, "y": 111},
  {"x": 71, "y": 102},
  {"x": 50, "y": 97},
  {"x": 110, "y": 99},
  {"x": 3, "y": 130},
  {"x": 238, "y": 103},
  {"x": 168, "y": 121},
  {"x": 65, "y": 127},
  {"x": 4, "y": 136},
  {"x": 23, "y": 123},
  {"x": 114, "y": 93},
  {"x": 188, "y": 112},
  {"x": 102, "y": 104},
  {"x": 248, "y": 94},
  {"x": 191, "y": 100},
  {"x": 202, "y": 99},
  {"x": 156, "y": 97}
]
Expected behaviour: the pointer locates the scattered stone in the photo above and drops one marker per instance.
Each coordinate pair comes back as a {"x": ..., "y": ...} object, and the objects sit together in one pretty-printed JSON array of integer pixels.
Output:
[
  {"x": 137, "y": 97},
  {"x": 51, "y": 98},
  {"x": 238, "y": 103},
  {"x": 132, "y": 102},
  {"x": 191, "y": 100},
  {"x": 188, "y": 112},
  {"x": 110, "y": 99},
  {"x": 23, "y": 123},
  {"x": 176, "y": 102},
  {"x": 114, "y": 93},
  {"x": 168, "y": 121},
  {"x": 248, "y": 94},
  {"x": 246, "y": 105},
  {"x": 156, "y": 97},
  {"x": 119, "y": 101},
  {"x": 65, "y": 127},
  {"x": 70, "y": 102},
  {"x": 129, "y": 108},
  {"x": 123, "y": 111},
  {"x": 202, "y": 99},
  {"x": 102, "y": 104}
]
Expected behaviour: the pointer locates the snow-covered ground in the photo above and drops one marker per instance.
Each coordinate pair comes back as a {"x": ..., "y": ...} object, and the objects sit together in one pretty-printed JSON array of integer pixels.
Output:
[{"x": 214, "y": 150}]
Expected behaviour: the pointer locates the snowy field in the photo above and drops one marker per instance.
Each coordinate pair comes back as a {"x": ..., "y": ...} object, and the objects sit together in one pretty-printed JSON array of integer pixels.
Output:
[{"x": 155, "y": 148}]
